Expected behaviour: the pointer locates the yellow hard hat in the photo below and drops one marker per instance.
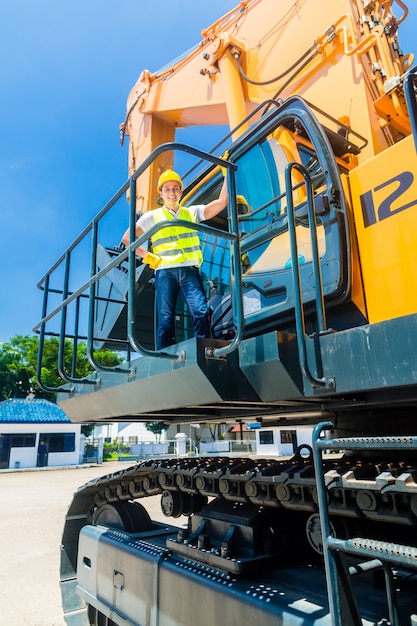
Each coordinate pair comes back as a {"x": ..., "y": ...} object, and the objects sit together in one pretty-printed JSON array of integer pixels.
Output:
[
  {"x": 242, "y": 205},
  {"x": 169, "y": 176}
]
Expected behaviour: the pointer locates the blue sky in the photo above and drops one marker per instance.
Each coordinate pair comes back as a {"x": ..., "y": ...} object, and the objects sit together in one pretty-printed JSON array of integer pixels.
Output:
[{"x": 67, "y": 69}]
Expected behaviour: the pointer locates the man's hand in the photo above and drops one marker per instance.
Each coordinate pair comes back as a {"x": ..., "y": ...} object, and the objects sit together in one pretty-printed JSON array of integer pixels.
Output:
[
  {"x": 224, "y": 156},
  {"x": 153, "y": 260}
]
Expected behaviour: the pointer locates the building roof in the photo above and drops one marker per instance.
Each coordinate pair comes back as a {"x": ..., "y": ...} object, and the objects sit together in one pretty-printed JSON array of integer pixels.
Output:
[
  {"x": 238, "y": 428},
  {"x": 244, "y": 427},
  {"x": 31, "y": 411}
]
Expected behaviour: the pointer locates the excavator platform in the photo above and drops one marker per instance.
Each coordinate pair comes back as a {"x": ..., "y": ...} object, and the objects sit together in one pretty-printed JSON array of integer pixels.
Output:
[{"x": 262, "y": 380}]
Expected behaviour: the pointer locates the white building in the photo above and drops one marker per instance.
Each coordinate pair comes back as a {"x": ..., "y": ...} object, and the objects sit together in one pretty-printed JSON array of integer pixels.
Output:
[
  {"x": 282, "y": 440},
  {"x": 127, "y": 431},
  {"x": 24, "y": 424}
]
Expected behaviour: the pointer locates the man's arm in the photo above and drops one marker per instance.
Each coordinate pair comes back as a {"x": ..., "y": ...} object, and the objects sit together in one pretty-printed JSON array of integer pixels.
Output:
[
  {"x": 140, "y": 251},
  {"x": 213, "y": 208},
  {"x": 150, "y": 259}
]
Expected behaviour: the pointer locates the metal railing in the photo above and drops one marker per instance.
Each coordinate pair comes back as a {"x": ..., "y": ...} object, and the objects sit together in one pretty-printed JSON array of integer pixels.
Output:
[
  {"x": 87, "y": 290},
  {"x": 316, "y": 381},
  {"x": 378, "y": 554}
]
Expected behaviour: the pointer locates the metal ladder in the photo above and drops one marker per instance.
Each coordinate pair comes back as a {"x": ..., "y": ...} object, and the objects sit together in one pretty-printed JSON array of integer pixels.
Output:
[{"x": 384, "y": 555}]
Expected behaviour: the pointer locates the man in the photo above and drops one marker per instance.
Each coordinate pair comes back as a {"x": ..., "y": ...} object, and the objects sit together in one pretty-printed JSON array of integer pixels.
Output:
[
  {"x": 42, "y": 454},
  {"x": 176, "y": 257}
]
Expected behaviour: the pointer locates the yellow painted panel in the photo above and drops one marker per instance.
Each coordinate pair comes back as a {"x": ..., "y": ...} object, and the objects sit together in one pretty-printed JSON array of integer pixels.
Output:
[{"x": 384, "y": 193}]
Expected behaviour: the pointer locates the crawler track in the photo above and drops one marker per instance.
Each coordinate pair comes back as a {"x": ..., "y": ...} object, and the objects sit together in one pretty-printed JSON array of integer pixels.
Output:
[{"x": 360, "y": 492}]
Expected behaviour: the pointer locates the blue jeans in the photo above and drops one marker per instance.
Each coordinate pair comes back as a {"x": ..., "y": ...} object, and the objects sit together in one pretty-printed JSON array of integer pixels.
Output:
[{"x": 168, "y": 284}]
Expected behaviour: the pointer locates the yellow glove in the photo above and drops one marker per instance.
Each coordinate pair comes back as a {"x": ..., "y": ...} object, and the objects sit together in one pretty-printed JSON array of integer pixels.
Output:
[
  {"x": 153, "y": 260},
  {"x": 224, "y": 156}
]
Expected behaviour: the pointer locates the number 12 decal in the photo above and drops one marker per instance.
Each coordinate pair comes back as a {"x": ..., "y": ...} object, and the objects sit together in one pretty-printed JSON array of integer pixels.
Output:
[{"x": 372, "y": 214}]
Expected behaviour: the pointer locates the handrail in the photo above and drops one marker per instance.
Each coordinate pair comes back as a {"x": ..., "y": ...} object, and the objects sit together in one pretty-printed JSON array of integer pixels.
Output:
[
  {"x": 235, "y": 277},
  {"x": 131, "y": 290},
  {"x": 122, "y": 190},
  {"x": 410, "y": 83},
  {"x": 342, "y": 605},
  {"x": 114, "y": 263},
  {"x": 329, "y": 563},
  {"x": 299, "y": 313},
  {"x": 90, "y": 284},
  {"x": 41, "y": 384},
  {"x": 63, "y": 334},
  {"x": 134, "y": 243},
  {"x": 91, "y": 309}
]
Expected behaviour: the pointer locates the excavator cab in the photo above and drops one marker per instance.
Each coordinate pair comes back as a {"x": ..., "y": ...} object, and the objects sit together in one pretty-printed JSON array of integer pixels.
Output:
[
  {"x": 282, "y": 174},
  {"x": 280, "y": 168}
]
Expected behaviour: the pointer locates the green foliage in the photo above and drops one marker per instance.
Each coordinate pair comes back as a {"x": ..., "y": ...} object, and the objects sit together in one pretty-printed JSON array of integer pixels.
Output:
[
  {"x": 112, "y": 450},
  {"x": 87, "y": 430},
  {"x": 15, "y": 376},
  {"x": 18, "y": 363},
  {"x": 110, "y": 456}
]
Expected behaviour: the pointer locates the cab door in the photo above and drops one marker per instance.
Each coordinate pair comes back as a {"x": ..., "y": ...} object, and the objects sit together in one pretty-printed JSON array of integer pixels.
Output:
[{"x": 278, "y": 161}]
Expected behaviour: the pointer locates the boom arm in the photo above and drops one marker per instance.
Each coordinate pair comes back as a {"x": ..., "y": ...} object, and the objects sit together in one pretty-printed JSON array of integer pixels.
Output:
[{"x": 239, "y": 64}]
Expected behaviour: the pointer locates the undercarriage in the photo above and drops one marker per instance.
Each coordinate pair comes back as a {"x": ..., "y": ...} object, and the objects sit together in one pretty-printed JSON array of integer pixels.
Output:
[{"x": 250, "y": 545}]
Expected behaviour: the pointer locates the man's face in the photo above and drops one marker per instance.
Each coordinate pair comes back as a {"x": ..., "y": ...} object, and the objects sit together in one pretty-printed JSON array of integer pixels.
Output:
[{"x": 171, "y": 195}]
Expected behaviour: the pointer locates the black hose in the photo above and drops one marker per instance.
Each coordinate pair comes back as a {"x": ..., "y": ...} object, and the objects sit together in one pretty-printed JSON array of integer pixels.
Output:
[{"x": 273, "y": 80}]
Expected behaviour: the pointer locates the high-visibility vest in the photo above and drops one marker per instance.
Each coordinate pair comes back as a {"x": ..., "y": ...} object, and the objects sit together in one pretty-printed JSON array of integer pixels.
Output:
[{"x": 176, "y": 245}]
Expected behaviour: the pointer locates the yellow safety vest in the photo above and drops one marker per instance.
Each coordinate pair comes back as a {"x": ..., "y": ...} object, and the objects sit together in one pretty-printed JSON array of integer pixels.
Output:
[{"x": 174, "y": 244}]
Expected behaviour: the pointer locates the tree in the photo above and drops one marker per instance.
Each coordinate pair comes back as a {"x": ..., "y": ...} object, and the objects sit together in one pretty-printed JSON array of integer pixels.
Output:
[
  {"x": 14, "y": 376},
  {"x": 87, "y": 429},
  {"x": 156, "y": 428},
  {"x": 18, "y": 363}
]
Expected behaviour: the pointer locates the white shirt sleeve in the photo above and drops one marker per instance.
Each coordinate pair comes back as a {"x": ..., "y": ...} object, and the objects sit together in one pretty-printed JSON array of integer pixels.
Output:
[
  {"x": 146, "y": 221},
  {"x": 198, "y": 211}
]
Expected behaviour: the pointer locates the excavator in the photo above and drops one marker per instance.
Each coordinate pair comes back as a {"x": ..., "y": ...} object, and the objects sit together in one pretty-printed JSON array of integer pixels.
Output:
[{"x": 311, "y": 279}]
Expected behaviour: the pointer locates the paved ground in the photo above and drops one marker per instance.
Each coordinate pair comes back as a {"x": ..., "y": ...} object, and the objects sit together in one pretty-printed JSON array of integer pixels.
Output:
[{"x": 33, "y": 507}]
